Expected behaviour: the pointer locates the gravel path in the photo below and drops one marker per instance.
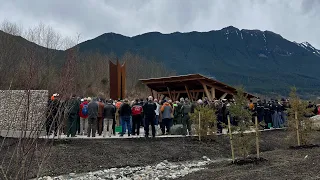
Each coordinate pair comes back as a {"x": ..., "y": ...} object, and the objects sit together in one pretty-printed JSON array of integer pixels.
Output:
[{"x": 162, "y": 170}]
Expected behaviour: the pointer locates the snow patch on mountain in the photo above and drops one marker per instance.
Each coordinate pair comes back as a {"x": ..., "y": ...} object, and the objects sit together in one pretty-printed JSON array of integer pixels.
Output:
[{"x": 307, "y": 46}]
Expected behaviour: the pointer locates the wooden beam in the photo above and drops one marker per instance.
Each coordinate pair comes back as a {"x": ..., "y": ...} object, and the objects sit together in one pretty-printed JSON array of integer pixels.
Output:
[
  {"x": 197, "y": 95},
  {"x": 206, "y": 91},
  {"x": 224, "y": 96},
  {"x": 151, "y": 91},
  {"x": 177, "y": 97},
  {"x": 152, "y": 81},
  {"x": 213, "y": 93},
  {"x": 218, "y": 88},
  {"x": 183, "y": 91},
  {"x": 186, "y": 87}
]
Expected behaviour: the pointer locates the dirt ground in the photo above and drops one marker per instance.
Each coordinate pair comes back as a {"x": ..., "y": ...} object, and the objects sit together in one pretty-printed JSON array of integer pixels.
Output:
[
  {"x": 84, "y": 155},
  {"x": 281, "y": 164}
]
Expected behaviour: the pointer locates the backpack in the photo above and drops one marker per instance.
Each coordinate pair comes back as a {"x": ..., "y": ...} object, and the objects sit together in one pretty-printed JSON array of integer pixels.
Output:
[
  {"x": 136, "y": 110},
  {"x": 85, "y": 110},
  {"x": 186, "y": 108},
  {"x": 118, "y": 105},
  {"x": 251, "y": 106}
]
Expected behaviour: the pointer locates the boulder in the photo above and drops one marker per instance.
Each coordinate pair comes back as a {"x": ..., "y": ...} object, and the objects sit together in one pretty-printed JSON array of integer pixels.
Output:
[
  {"x": 177, "y": 129},
  {"x": 316, "y": 122}
]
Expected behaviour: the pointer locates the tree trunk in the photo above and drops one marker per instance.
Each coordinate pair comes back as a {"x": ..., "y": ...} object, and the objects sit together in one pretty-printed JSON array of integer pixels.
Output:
[
  {"x": 231, "y": 139},
  {"x": 257, "y": 137}
]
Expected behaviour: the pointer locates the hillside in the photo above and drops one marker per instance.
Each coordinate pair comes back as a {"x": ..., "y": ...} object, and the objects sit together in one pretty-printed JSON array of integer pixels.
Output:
[{"x": 263, "y": 61}]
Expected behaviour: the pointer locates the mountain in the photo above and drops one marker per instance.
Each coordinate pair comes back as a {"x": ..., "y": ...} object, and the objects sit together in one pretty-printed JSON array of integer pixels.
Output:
[{"x": 263, "y": 61}]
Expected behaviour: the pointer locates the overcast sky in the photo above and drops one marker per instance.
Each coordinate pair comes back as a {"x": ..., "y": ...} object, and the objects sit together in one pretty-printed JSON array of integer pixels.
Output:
[{"x": 296, "y": 20}]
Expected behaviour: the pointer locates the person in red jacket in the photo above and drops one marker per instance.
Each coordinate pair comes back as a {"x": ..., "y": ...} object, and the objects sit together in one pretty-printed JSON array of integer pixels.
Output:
[{"x": 83, "y": 113}]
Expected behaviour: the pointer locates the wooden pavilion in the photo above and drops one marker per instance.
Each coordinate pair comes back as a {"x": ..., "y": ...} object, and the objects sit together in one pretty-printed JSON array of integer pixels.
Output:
[{"x": 193, "y": 86}]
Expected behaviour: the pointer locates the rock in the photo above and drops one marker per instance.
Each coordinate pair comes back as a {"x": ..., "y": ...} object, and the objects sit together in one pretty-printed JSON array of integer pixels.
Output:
[
  {"x": 161, "y": 166},
  {"x": 206, "y": 158},
  {"x": 316, "y": 122},
  {"x": 176, "y": 129},
  {"x": 166, "y": 162},
  {"x": 201, "y": 163},
  {"x": 72, "y": 174}
]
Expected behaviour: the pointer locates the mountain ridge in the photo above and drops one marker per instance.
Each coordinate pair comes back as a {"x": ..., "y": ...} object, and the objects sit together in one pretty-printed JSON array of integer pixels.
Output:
[
  {"x": 227, "y": 54},
  {"x": 263, "y": 61}
]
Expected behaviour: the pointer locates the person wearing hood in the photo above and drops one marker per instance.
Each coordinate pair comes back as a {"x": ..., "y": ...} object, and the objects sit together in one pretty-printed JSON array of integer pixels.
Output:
[
  {"x": 186, "y": 122},
  {"x": 100, "y": 116},
  {"x": 73, "y": 107},
  {"x": 166, "y": 115},
  {"x": 177, "y": 113},
  {"x": 93, "y": 117},
  {"x": 149, "y": 116},
  {"x": 109, "y": 118},
  {"x": 125, "y": 116}
]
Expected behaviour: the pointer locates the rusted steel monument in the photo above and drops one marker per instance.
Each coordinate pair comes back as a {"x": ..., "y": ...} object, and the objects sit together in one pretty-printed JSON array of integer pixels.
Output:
[{"x": 117, "y": 80}]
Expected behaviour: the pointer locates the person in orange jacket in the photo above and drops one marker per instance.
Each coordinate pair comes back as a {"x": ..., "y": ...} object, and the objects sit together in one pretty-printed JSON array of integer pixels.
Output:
[{"x": 166, "y": 115}]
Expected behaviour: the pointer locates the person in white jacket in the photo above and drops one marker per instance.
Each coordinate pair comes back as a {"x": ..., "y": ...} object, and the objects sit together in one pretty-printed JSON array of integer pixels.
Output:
[{"x": 157, "y": 111}]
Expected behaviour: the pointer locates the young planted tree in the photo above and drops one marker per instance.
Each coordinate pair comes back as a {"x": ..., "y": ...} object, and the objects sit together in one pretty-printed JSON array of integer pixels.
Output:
[
  {"x": 243, "y": 116},
  {"x": 299, "y": 123},
  {"x": 205, "y": 121}
]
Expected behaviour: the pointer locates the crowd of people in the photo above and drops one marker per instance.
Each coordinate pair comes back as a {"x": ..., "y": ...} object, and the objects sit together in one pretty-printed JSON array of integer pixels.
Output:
[{"x": 97, "y": 116}]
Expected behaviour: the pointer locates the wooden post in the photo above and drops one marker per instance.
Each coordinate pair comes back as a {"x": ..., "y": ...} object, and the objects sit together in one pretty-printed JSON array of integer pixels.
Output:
[
  {"x": 199, "y": 127},
  {"x": 224, "y": 96},
  {"x": 151, "y": 92},
  {"x": 257, "y": 138},
  {"x": 169, "y": 92},
  {"x": 297, "y": 127},
  {"x": 188, "y": 93},
  {"x": 213, "y": 93},
  {"x": 207, "y": 91},
  {"x": 231, "y": 139},
  {"x": 197, "y": 96}
]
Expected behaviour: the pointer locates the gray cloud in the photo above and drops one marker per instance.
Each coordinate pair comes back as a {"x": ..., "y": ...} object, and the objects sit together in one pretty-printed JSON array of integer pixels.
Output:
[{"x": 296, "y": 20}]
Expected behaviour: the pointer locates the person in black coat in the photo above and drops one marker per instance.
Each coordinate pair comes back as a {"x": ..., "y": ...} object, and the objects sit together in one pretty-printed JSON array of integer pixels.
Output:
[
  {"x": 125, "y": 115},
  {"x": 149, "y": 116},
  {"x": 109, "y": 114}
]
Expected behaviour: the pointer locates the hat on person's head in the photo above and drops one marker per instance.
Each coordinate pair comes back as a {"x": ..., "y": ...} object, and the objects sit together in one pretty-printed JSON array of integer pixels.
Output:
[
  {"x": 89, "y": 99},
  {"x": 85, "y": 99},
  {"x": 82, "y": 100}
]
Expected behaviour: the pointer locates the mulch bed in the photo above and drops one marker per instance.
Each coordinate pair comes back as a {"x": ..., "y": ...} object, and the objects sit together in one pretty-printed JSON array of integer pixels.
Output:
[
  {"x": 307, "y": 146},
  {"x": 249, "y": 160}
]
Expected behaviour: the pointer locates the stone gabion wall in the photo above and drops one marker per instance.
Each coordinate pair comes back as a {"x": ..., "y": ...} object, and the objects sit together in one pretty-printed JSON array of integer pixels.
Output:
[{"x": 17, "y": 114}]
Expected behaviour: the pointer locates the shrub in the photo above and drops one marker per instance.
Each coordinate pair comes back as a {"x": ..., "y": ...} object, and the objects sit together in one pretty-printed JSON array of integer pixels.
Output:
[
  {"x": 299, "y": 123},
  {"x": 208, "y": 119},
  {"x": 243, "y": 116}
]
